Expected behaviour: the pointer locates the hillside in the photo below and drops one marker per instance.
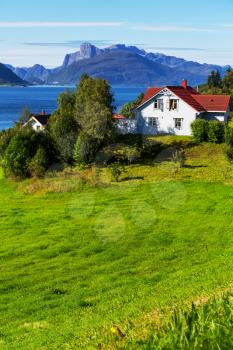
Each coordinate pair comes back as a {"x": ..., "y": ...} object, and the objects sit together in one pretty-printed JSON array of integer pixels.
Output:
[
  {"x": 121, "y": 65},
  {"x": 7, "y": 77},
  {"x": 82, "y": 255},
  {"x": 118, "y": 68},
  {"x": 122, "y": 68}
]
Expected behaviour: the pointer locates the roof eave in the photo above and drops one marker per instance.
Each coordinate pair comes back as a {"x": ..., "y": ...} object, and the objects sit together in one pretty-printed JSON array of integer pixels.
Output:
[
  {"x": 36, "y": 120},
  {"x": 142, "y": 104},
  {"x": 216, "y": 111}
]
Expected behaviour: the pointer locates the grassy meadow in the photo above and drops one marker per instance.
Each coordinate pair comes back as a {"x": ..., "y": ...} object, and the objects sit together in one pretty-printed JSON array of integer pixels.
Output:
[{"x": 87, "y": 263}]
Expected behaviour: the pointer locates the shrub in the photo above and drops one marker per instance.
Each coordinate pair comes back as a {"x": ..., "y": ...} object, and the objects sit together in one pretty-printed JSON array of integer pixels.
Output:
[
  {"x": 151, "y": 149},
  {"x": 207, "y": 326},
  {"x": 85, "y": 149},
  {"x": 229, "y": 153},
  {"x": 5, "y": 138},
  {"x": 132, "y": 154},
  {"x": 215, "y": 132},
  {"x": 200, "y": 130},
  {"x": 135, "y": 140},
  {"x": 116, "y": 170},
  {"x": 228, "y": 135},
  {"x": 22, "y": 152},
  {"x": 229, "y": 143},
  {"x": 38, "y": 165},
  {"x": 179, "y": 157}
]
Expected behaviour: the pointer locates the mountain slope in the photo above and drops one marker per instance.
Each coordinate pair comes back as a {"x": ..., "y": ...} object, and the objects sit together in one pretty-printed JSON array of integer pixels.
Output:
[
  {"x": 7, "y": 77},
  {"x": 122, "y": 65},
  {"x": 88, "y": 51},
  {"x": 124, "y": 68},
  {"x": 117, "y": 67}
]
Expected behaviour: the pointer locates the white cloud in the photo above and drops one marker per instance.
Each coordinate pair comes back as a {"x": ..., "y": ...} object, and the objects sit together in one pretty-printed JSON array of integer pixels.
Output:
[
  {"x": 58, "y": 24},
  {"x": 170, "y": 28}
]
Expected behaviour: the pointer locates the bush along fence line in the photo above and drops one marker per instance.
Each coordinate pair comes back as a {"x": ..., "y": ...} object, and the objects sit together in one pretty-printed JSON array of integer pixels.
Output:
[{"x": 208, "y": 131}]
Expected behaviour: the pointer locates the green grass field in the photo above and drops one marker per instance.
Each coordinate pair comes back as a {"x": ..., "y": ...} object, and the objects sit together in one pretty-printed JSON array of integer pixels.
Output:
[
  {"x": 205, "y": 326},
  {"x": 78, "y": 258}
]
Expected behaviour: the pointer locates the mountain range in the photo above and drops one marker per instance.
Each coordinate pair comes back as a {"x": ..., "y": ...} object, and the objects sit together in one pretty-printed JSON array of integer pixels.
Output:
[
  {"x": 121, "y": 65},
  {"x": 7, "y": 77}
]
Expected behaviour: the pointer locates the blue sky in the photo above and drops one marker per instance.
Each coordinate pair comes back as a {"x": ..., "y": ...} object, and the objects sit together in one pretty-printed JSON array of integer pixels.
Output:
[{"x": 44, "y": 31}]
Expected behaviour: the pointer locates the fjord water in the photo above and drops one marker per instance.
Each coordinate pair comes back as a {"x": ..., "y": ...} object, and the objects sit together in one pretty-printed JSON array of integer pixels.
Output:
[{"x": 14, "y": 99}]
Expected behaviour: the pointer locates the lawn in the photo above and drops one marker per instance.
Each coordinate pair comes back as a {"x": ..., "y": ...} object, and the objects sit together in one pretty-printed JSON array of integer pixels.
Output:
[
  {"x": 206, "y": 325},
  {"x": 75, "y": 261}
]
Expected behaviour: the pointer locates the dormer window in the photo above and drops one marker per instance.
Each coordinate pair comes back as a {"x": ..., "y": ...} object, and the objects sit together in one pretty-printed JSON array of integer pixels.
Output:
[
  {"x": 158, "y": 104},
  {"x": 172, "y": 104}
]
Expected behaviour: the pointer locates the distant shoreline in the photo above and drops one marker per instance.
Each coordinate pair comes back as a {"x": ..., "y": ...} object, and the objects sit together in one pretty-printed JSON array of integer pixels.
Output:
[
  {"x": 13, "y": 85},
  {"x": 69, "y": 86}
]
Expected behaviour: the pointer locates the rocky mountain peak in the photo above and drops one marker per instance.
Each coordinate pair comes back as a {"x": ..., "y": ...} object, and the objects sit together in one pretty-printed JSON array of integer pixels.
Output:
[{"x": 88, "y": 50}]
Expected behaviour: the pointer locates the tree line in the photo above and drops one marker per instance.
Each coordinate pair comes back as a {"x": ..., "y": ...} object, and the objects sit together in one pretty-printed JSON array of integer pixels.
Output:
[
  {"x": 216, "y": 85},
  {"x": 77, "y": 130}
]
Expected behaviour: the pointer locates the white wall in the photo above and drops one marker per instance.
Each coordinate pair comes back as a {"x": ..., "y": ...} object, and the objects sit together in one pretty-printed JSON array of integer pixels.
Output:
[
  {"x": 221, "y": 117},
  {"x": 165, "y": 117},
  {"x": 35, "y": 125}
]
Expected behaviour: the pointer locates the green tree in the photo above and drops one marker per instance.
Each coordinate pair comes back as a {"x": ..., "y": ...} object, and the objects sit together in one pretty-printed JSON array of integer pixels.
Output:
[
  {"x": 128, "y": 109},
  {"x": 228, "y": 81},
  {"x": 38, "y": 164},
  {"x": 5, "y": 138},
  {"x": 63, "y": 126},
  {"x": 25, "y": 115},
  {"x": 95, "y": 120},
  {"x": 66, "y": 103},
  {"x": 94, "y": 102},
  {"x": 85, "y": 149},
  {"x": 93, "y": 90},
  {"x": 214, "y": 79},
  {"x": 23, "y": 148},
  {"x": 93, "y": 113},
  {"x": 214, "y": 87}
]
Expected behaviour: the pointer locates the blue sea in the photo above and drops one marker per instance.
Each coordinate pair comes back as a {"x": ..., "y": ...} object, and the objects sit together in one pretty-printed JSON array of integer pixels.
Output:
[{"x": 14, "y": 99}]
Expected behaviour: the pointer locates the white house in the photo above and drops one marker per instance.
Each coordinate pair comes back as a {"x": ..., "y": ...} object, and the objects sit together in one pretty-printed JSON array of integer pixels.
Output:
[
  {"x": 38, "y": 122},
  {"x": 172, "y": 109}
]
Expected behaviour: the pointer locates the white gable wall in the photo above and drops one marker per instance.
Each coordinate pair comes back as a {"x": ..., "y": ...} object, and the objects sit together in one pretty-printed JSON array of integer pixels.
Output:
[
  {"x": 34, "y": 124},
  {"x": 165, "y": 117}
]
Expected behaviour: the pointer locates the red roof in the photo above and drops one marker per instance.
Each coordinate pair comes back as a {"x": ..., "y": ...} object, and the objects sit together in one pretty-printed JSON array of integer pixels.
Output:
[
  {"x": 118, "y": 116},
  {"x": 150, "y": 92},
  {"x": 201, "y": 103},
  {"x": 213, "y": 103},
  {"x": 187, "y": 97}
]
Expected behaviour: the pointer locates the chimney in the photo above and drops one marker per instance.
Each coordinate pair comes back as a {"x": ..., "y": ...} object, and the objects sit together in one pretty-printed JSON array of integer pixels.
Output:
[{"x": 184, "y": 83}]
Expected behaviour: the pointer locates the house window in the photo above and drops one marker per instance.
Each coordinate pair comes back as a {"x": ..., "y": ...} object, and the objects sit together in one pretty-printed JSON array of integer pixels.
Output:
[
  {"x": 152, "y": 121},
  {"x": 178, "y": 123},
  {"x": 158, "y": 104},
  {"x": 172, "y": 105}
]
